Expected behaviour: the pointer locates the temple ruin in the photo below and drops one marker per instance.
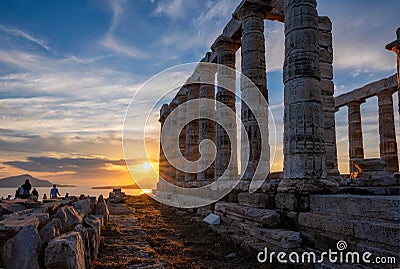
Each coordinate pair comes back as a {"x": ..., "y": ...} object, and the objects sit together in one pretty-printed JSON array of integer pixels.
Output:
[{"x": 310, "y": 204}]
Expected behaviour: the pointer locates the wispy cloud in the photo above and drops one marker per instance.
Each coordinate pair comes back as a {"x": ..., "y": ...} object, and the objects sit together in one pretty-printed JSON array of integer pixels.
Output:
[
  {"x": 111, "y": 42},
  {"x": 17, "y": 32}
]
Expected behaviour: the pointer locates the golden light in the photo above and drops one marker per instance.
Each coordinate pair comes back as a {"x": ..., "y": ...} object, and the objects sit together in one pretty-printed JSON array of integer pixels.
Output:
[{"x": 146, "y": 166}]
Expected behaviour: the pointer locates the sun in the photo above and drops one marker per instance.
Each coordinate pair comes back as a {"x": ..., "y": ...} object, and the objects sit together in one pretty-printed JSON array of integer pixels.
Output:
[{"x": 146, "y": 166}]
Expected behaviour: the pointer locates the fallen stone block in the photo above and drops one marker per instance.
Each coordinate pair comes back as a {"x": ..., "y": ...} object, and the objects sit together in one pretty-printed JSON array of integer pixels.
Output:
[
  {"x": 23, "y": 250},
  {"x": 212, "y": 219},
  {"x": 65, "y": 252},
  {"x": 69, "y": 217},
  {"x": 50, "y": 230},
  {"x": 83, "y": 207},
  {"x": 102, "y": 209},
  {"x": 86, "y": 243},
  {"x": 260, "y": 200}
]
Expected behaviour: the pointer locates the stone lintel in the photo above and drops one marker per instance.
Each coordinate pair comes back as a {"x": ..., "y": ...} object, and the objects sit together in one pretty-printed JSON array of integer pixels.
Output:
[{"x": 367, "y": 91}]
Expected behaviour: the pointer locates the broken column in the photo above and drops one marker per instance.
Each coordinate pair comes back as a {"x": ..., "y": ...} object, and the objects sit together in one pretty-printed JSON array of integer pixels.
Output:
[
  {"x": 253, "y": 67},
  {"x": 356, "y": 147},
  {"x": 182, "y": 113},
  {"x": 225, "y": 48},
  {"x": 327, "y": 99},
  {"x": 207, "y": 126},
  {"x": 387, "y": 133},
  {"x": 304, "y": 145}
]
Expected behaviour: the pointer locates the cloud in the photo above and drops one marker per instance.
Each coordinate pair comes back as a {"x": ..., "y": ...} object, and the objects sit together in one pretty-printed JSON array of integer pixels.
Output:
[
  {"x": 54, "y": 165},
  {"x": 110, "y": 42},
  {"x": 115, "y": 45},
  {"x": 171, "y": 8},
  {"x": 17, "y": 32}
]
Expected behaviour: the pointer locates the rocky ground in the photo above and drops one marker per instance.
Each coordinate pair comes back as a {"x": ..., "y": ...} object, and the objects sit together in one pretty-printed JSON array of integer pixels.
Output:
[{"x": 166, "y": 237}]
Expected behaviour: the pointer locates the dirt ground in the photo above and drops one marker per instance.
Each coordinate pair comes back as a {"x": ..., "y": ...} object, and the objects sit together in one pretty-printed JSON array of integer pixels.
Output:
[{"x": 182, "y": 242}]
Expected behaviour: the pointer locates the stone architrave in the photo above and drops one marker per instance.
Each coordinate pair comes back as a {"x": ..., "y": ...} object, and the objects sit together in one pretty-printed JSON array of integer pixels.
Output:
[
  {"x": 253, "y": 67},
  {"x": 192, "y": 130},
  {"x": 304, "y": 145},
  {"x": 226, "y": 48},
  {"x": 387, "y": 133},
  {"x": 207, "y": 126},
  {"x": 356, "y": 147}
]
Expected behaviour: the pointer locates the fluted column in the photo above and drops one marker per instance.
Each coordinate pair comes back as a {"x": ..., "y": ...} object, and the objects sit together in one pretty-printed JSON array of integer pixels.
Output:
[
  {"x": 395, "y": 47},
  {"x": 304, "y": 145},
  {"x": 207, "y": 126},
  {"x": 225, "y": 48},
  {"x": 356, "y": 147},
  {"x": 253, "y": 67},
  {"x": 174, "y": 121},
  {"x": 192, "y": 131},
  {"x": 162, "y": 162},
  {"x": 182, "y": 113},
  {"x": 387, "y": 133},
  {"x": 327, "y": 92}
]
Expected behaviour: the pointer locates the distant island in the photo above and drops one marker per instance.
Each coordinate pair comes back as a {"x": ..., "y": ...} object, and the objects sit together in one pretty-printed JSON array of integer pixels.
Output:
[
  {"x": 133, "y": 186},
  {"x": 16, "y": 181}
]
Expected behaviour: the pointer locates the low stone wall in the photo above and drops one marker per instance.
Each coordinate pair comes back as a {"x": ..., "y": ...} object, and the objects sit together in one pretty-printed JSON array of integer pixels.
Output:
[{"x": 58, "y": 234}]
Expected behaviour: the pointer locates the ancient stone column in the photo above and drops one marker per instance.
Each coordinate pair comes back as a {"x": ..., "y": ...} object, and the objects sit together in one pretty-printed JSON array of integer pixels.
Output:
[
  {"x": 225, "y": 48},
  {"x": 182, "y": 113},
  {"x": 395, "y": 47},
  {"x": 192, "y": 131},
  {"x": 174, "y": 121},
  {"x": 206, "y": 126},
  {"x": 304, "y": 145},
  {"x": 327, "y": 99},
  {"x": 162, "y": 163},
  {"x": 356, "y": 148},
  {"x": 253, "y": 66},
  {"x": 387, "y": 133}
]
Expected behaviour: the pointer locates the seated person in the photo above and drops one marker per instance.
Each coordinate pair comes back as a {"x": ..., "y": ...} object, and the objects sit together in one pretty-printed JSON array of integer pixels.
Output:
[
  {"x": 54, "y": 192},
  {"x": 35, "y": 194}
]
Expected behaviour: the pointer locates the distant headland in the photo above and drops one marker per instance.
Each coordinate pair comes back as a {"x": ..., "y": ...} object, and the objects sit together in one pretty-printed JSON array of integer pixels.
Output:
[
  {"x": 16, "y": 181},
  {"x": 132, "y": 186}
]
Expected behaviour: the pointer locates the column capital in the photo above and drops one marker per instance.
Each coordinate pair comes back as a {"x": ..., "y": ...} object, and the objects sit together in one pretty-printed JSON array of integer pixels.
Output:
[
  {"x": 355, "y": 103},
  {"x": 251, "y": 8},
  {"x": 226, "y": 43},
  {"x": 387, "y": 92},
  {"x": 395, "y": 45}
]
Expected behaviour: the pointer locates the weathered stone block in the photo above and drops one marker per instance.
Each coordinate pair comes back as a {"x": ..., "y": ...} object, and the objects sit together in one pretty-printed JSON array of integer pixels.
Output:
[
  {"x": 68, "y": 216},
  {"x": 23, "y": 250},
  {"x": 83, "y": 207},
  {"x": 65, "y": 252},
  {"x": 326, "y": 70},
  {"x": 260, "y": 200}
]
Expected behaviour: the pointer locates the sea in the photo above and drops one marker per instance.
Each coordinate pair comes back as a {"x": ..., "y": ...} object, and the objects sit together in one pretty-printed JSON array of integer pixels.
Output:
[{"x": 76, "y": 191}]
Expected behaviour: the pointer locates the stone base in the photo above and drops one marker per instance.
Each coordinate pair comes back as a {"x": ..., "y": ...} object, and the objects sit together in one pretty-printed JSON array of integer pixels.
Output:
[{"x": 308, "y": 186}]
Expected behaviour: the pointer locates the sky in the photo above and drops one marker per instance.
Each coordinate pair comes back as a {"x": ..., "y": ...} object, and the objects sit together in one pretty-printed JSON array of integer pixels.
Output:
[{"x": 68, "y": 70}]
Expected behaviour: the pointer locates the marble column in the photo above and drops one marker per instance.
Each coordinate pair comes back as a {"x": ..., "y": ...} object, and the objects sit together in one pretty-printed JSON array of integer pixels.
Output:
[
  {"x": 174, "y": 121},
  {"x": 192, "y": 131},
  {"x": 182, "y": 113},
  {"x": 395, "y": 47},
  {"x": 253, "y": 67},
  {"x": 327, "y": 92},
  {"x": 207, "y": 126},
  {"x": 162, "y": 162},
  {"x": 387, "y": 133},
  {"x": 356, "y": 147},
  {"x": 304, "y": 144},
  {"x": 226, "y": 48}
]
